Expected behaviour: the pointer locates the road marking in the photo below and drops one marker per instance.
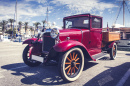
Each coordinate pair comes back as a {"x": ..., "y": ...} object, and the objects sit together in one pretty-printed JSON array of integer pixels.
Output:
[
  {"x": 124, "y": 78},
  {"x": 13, "y": 68}
]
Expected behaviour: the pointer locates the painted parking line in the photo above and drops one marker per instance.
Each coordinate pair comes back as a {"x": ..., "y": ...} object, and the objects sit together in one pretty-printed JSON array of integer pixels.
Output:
[
  {"x": 13, "y": 68},
  {"x": 124, "y": 78}
]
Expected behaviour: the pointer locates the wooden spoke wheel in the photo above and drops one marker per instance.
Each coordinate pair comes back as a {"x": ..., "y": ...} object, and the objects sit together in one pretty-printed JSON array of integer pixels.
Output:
[
  {"x": 71, "y": 64},
  {"x": 27, "y": 58},
  {"x": 113, "y": 52}
]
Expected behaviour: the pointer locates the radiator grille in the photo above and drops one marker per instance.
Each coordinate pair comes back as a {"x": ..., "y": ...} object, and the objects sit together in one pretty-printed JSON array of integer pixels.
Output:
[{"x": 48, "y": 42}]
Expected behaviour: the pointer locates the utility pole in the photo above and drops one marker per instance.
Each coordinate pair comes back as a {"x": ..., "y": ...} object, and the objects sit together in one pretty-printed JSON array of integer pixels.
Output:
[{"x": 124, "y": 12}]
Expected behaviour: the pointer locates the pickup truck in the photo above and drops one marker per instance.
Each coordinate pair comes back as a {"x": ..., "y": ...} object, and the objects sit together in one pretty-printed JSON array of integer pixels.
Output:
[{"x": 81, "y": 37}]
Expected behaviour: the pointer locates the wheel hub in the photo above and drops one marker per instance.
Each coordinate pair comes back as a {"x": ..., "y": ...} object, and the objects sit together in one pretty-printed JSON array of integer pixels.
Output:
[{"x": 73, "y": 63}]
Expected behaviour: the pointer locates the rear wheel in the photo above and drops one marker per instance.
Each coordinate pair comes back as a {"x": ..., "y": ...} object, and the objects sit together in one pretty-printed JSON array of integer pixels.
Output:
[
  {"x": 113, "y": 52},
  {"x": 27, "y": 58},
  {"x": 71, "y": 64}
]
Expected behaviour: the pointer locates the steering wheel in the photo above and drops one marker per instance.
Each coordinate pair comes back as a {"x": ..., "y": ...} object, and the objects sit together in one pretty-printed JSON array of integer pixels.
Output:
[{"x": 69, "y": 26}]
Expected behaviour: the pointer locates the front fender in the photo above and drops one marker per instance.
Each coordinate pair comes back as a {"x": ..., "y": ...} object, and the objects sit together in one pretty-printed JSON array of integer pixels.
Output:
[
  {"x": 66, "y": 45},
  {"x": 28, "y": 41}
]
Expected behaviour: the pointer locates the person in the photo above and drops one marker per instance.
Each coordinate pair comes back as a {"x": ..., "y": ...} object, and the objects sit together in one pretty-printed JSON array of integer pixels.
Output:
[{"x": 43, "y": 29}]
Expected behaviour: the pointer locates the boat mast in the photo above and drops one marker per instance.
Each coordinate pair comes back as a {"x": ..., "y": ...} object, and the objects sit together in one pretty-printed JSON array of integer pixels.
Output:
[{"x": 47, "y": 16}]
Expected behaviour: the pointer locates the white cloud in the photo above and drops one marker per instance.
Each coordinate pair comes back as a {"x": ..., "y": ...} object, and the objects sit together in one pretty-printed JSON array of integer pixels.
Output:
[
  {"x": 33, "y": 21},
  {"x": 58, "y": 18},
  {"x": 39, "y": 1},
  {"x": 110, "y": 11},
  {"x": 25, "y": 11},
  {"x": 83, "y": 6},
  {"x": 101, "y": 13},
  {"x": 117, "y": 25}
]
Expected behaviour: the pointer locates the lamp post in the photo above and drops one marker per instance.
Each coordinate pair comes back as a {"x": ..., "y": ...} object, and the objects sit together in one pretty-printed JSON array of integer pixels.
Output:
[{"x": 16, "y": 16}]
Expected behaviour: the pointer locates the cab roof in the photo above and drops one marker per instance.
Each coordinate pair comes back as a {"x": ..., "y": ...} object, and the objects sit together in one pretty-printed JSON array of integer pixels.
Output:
[{"x": 82, "y": 15}]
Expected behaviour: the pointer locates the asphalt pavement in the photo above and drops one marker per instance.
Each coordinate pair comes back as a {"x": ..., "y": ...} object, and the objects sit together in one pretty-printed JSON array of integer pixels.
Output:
[{"x": 13, "y": 72}]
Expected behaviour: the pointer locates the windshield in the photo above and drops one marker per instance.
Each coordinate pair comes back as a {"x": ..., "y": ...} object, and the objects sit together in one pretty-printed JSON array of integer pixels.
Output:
[{"x": 77, "y": 22}]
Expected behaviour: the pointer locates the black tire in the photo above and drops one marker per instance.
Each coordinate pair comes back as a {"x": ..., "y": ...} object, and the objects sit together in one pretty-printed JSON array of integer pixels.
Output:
[
  {"x": 71, "y": 64},
  {"x": 113, "y": 52},
  {"x": 27, "y": 60}
]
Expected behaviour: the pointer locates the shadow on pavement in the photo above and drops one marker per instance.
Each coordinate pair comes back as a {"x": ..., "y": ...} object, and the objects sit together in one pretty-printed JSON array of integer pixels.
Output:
[
  {"x": 127, "y": 54},
  {"x": 41, "y": 75},
  {"x": 88, "y": 65},
  {"x": 110, "y": 77}
]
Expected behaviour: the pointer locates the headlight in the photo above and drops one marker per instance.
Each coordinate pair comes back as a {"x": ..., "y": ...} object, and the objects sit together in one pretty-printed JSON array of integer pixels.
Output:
[{"x": 54, "y": 33}]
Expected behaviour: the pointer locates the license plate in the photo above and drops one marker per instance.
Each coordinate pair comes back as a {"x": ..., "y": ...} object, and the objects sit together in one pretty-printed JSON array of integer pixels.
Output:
[{"x": 38, "y": 58}]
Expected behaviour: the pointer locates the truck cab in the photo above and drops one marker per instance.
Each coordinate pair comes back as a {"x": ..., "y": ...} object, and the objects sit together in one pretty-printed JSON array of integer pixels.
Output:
[{"x": 91, "y": 29}]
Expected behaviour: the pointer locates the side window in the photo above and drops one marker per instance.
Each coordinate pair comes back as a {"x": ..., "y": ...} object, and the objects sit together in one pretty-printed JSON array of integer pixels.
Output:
[
  {"x": 96, "y": 22},
  {"x": 68, "y": 24}
]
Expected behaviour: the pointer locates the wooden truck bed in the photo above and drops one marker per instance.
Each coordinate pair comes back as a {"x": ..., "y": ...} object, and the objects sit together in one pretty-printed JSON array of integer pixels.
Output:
[{"x": 109, "y": 36}]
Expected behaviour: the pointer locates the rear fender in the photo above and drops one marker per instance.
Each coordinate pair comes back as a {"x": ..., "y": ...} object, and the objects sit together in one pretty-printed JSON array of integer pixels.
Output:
[
  {"x": 28, "y": 41},
  {"x": 66, "y": 45},
  {"x": 111, "y": 44}
]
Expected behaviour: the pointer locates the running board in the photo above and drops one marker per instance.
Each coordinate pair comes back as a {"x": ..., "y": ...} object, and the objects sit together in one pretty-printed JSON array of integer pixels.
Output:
[{"x": 99, "y": 55}]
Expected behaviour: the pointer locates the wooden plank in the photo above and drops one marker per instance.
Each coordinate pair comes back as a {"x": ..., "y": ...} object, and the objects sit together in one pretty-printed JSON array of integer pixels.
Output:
[
  {"x": 114, "y": 36},
  {"x": 110, "y": 36},
  {"x": 105, "y": 36}
]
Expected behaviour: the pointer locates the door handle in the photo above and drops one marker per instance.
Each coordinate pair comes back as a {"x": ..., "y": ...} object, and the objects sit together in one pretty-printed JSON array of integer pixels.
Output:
[{"x": 89, "y": 42}]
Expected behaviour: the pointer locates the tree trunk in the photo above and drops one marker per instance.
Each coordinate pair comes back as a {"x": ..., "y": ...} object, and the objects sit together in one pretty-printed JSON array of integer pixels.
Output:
[
  {"x": 3, "y": 30},
  {"x": 11, "y": 26},
  {"x": 34, "y": 31}
]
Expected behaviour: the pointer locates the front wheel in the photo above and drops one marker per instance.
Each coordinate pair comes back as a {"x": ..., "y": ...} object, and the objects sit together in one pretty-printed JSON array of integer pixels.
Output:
[
  {"x": 113, "y": 52},
  {"x": 27, "y": 58},
  {"x": 71, "y": 64}
]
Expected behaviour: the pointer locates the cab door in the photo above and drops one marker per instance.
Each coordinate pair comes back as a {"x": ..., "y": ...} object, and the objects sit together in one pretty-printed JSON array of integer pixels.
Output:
[{"x": 95, "y": 35}]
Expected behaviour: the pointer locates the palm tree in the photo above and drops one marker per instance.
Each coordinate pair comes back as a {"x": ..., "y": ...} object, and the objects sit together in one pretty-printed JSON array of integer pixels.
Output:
[
  {"x": 36, "y": 26},
  {"x": 31, "y": 29},
  {"x": 20, "y": 25},
  {"x": 44, "y": 22},
  {"x": 11, "y": 22},
  {"x": 3, "y": 24},
  {"x": 0, "y": 24},
  {"x": 37, "y": 23},
  {"x": 26, "y": 26}
]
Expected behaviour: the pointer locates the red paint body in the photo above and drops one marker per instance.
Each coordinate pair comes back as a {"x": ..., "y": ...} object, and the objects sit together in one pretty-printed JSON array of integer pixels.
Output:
[
  {"x": 90, "y": 39},
  {"x": 28, "y": 41}
]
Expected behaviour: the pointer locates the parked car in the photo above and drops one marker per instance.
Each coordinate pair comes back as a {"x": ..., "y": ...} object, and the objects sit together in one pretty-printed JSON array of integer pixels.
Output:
[{"x": 80, "y": 38}]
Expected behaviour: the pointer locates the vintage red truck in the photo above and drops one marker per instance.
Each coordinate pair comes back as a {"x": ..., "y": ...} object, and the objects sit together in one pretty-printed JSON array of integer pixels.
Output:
[{"x": 81, "y": 37}]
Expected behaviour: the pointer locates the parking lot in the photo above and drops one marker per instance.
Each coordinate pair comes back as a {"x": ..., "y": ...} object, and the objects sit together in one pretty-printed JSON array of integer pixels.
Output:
[{"x": 14, "y": 72}]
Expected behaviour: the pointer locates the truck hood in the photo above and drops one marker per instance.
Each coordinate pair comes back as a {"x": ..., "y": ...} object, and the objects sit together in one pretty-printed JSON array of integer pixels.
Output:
[{"x": 74, "y": 34}]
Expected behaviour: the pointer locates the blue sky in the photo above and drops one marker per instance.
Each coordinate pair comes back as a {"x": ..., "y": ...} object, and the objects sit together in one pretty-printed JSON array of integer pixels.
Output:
[{"x": 35, "y": 10}]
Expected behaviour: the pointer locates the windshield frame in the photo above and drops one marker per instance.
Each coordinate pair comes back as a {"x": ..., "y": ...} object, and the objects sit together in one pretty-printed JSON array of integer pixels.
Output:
[{"x": 71, "y": 17}]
